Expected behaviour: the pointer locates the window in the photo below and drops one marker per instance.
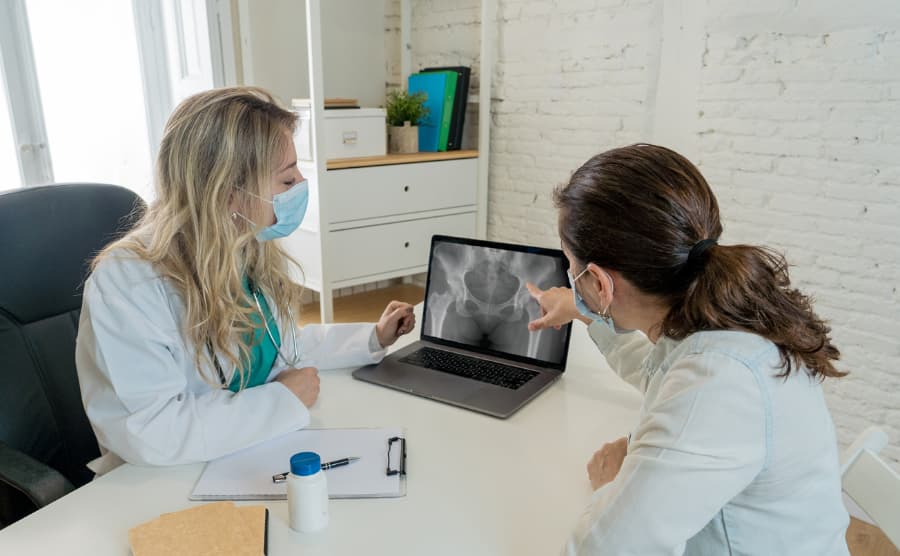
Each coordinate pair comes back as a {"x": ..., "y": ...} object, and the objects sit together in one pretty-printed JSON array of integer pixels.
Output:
[
  {"x": 88, "y": 70},
  {"x": 9, "y": 162},
  {"x": 89, "y": 84}
]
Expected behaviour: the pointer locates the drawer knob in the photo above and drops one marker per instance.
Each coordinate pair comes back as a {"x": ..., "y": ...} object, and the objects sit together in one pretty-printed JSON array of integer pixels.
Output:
[
  {"x": 405, "y": 188},
  {"x": 406, "y": 244}
]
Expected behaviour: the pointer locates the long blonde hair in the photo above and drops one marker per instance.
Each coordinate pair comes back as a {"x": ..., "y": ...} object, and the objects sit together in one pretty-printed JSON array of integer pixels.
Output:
[{"x": 218, "y": 145}]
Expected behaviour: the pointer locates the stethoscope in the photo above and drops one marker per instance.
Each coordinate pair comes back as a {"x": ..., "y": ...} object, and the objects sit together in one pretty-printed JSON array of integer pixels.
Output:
[{"x": 255, "y": 292}]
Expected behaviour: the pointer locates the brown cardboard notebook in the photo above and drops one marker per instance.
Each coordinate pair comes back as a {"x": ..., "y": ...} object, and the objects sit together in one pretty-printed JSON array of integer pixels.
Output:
[{"x": 217, "y": 528}]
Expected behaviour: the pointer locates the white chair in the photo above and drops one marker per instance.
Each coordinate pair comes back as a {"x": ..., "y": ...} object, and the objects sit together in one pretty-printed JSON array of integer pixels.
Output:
[{"x": 869, "y": 482}]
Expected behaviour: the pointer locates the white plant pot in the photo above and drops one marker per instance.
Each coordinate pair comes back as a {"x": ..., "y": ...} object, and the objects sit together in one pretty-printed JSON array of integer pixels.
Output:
[{"x": 403, "y": 139}]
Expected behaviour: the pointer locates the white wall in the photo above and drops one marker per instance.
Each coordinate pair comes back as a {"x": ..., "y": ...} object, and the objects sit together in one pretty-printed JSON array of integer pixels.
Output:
[
  {"x": 798, "y": 128},
  {"x": 791, "y": 108},
  {"x": 353, "y": 60},
  {"x": 276, "y": 58}
]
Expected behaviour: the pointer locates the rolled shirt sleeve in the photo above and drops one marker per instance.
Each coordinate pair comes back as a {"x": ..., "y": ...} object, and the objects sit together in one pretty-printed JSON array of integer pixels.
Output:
[
  {"x": 624, "y": 352},
  {"x": 331, "y": 346}
]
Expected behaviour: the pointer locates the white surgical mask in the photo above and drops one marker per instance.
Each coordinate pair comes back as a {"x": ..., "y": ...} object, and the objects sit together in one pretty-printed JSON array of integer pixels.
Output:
[{"x": 289, "y": 207}]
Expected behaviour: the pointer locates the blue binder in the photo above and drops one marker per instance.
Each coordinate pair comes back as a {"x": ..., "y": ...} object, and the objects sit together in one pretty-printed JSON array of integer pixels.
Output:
[{"x": 434, "y": 86}]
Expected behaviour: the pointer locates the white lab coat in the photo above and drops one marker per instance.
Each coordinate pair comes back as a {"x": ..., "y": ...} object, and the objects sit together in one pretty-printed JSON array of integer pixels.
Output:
[{"x": 142, "y": 392}]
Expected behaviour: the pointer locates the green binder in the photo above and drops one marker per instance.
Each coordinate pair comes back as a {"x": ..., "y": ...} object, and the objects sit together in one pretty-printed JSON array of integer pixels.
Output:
[{"x": 447, "y": 116}]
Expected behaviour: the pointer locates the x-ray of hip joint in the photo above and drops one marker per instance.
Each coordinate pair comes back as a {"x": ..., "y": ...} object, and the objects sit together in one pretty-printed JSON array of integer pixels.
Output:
[{"x": 477, "y": 296}]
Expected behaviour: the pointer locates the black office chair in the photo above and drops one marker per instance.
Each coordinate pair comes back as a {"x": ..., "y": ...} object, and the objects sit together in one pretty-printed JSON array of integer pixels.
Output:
[{"x": 48, "y": 235}]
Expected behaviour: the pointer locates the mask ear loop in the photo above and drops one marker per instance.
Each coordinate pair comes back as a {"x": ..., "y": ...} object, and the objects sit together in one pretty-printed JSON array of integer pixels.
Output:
[
  {"x": 235, "y": 214},
  {"x": 606, "y": 313},
  {"x": 263, "y": 199}
]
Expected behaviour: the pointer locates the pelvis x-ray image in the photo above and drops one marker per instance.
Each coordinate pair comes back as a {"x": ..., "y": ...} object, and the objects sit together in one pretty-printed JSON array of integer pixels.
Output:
[{"x": 477, "y": 296}]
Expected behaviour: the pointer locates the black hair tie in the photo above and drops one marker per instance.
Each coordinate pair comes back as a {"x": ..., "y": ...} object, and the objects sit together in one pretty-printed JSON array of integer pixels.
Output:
[{"x": 700, "y": 248}]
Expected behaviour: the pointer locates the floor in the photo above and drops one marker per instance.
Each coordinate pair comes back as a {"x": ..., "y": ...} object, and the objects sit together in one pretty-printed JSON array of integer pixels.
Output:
[
  {"x": 868, "y": 540},
  {"x": 364, "y": 307},
  {"x": 862, "y": 538}
]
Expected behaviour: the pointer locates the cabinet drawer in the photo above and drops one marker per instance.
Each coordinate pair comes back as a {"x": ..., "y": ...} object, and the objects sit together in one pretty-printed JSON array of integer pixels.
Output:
[
  {"x": 360, "y": 193},
  {"x": 372, "y": 250}
]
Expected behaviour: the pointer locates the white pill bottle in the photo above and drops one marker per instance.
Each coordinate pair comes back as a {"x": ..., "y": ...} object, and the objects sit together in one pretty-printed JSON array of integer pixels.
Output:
[{"x": 307, "y": 493}]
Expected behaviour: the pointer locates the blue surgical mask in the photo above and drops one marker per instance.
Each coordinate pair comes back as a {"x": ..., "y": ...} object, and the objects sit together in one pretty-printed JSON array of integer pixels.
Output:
[
  {"x": 585, "y": 311},
  {"x": 290, "y": 208}
]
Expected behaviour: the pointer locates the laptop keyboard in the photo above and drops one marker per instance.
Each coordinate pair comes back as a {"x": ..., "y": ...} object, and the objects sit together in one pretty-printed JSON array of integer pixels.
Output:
[{"x": 498, "y": 374}]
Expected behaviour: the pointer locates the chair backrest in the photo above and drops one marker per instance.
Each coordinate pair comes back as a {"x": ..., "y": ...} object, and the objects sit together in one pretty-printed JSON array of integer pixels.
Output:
[
  {"x": 48, "y": 236},
  {"x": 872, "y": 484}
]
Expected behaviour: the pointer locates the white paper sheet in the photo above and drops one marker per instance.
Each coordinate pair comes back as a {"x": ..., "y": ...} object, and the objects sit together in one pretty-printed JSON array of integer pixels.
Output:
[{"x": 247, "y": 475}]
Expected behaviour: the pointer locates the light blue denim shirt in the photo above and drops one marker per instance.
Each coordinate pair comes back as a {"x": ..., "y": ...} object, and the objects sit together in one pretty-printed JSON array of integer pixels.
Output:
[{"x": 726, "y": 459}]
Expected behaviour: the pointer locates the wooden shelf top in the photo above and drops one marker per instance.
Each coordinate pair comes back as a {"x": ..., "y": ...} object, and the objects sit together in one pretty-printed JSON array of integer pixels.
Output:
[{"x": 385, "y": 160}]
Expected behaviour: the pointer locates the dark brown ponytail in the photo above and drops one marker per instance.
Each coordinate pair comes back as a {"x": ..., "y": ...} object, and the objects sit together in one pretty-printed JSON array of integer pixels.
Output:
[{"x": 646, "y": 212}]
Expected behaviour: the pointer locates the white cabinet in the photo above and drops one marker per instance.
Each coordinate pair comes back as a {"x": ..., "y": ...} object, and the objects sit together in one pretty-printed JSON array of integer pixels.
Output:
[
  {"x": 375, "y": 222},
  {"x": 401, "y": 189},
  {"x": 372, "y": 218},
  {"x": 399, "y": 248}
]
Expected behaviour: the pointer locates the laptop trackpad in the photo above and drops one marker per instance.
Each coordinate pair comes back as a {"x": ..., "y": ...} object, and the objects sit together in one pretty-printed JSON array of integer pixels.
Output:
[
  {"x": 423, "y": 382},
  {"x": 435, "y": 384},
  {"x": 463, "y": 391}
]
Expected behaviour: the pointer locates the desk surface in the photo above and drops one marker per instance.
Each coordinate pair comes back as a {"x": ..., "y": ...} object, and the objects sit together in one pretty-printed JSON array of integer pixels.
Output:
[{"x": 476, "y": 485}]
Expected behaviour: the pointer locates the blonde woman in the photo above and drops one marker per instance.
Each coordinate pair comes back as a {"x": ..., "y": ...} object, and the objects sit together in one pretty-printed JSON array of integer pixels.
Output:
[{"x": 187, "y": 347}]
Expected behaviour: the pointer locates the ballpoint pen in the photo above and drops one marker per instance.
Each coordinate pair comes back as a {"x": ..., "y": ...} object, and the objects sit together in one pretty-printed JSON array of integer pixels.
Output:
[{"x": 281, "y": 477}]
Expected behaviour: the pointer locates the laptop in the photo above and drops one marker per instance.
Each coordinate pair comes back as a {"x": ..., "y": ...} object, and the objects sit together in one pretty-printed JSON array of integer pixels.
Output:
[{"x": 475, "y": 350}]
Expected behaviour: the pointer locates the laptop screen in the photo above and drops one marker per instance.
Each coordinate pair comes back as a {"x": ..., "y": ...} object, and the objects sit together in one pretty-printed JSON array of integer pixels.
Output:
[{"x": 476, "y": 299}]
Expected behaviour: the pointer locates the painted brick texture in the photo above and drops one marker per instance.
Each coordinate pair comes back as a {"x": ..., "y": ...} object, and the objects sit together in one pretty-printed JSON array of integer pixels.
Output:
[{"x": 793, "y": 117}]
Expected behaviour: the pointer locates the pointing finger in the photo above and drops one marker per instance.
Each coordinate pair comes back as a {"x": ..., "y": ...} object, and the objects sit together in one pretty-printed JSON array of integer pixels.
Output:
[
  {"x": 535, "y": 291},
  {"x": 538, "y": 324}
]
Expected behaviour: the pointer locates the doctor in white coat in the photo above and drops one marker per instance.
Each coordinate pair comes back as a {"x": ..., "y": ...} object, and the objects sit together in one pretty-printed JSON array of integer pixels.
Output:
[
  {"x": 734, "y": 451},
  {"x": 188, "y": 347}
]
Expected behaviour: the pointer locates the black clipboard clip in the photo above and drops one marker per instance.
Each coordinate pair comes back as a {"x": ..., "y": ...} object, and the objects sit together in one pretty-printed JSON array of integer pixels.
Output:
[{"x": 401, "y": 466}]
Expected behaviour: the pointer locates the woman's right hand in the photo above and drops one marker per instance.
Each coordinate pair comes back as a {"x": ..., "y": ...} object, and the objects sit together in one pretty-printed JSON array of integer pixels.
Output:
[
  {"x": 557, "y": 307},
  {"x": 606, "y": 462},
  {"x": 303, "y": 383}
]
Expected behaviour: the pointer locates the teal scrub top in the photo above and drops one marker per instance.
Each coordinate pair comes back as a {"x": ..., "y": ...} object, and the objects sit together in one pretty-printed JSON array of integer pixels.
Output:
[{"x": 262, "y": 351}]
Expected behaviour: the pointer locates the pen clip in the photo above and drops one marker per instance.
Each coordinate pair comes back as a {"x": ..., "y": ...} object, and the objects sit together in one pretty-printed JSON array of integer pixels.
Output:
[
  {"x": 279, "y": 477},
  {"x": 401, "y": 466}
]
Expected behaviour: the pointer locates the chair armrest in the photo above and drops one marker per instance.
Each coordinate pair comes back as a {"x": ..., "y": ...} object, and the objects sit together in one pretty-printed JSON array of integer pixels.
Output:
[{"x": 40, "y": 483}]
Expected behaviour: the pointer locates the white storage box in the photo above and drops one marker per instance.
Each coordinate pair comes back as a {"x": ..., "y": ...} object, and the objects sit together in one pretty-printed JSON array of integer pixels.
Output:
[
  {"x": 349, "y": 132},
  {"x": 353, "y": 132}
]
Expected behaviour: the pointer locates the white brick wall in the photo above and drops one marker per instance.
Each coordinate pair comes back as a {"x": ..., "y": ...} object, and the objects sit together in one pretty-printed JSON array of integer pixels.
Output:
[
  {"x": 570, "y": 80},
  {"x": 790, "y": 107},
  {"x": 796, "y": 130}
]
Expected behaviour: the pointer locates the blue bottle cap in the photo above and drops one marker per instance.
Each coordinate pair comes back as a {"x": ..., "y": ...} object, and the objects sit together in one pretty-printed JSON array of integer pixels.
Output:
[{"x": 305, "y": 464}]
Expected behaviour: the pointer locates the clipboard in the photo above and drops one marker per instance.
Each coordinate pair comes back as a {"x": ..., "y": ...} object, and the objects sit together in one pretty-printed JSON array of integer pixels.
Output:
[{"x": 247, "y": 475}]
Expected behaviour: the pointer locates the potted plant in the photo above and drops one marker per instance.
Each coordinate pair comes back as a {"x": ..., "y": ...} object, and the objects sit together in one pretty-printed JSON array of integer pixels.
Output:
[{"x": 404, "y": 112}]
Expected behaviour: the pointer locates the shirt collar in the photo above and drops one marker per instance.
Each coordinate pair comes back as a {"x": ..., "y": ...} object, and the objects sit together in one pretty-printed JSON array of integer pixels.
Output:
[{"x": 656, "y": 360}]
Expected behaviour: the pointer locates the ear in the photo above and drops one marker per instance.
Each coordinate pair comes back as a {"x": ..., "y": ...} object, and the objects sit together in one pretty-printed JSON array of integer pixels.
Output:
[
  {"x": 238, "y": 204},
  {"x": 603, "y": 281}
]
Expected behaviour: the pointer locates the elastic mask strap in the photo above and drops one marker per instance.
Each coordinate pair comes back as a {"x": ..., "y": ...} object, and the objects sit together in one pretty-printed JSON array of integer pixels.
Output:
[
  {"x": 252, "y": 194},
  {"x": 236, "y": 213}
]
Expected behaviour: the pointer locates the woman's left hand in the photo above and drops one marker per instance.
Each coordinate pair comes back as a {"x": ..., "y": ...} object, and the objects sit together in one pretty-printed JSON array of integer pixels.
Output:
[
  {"x": 397, "y": 320},
  {"x": 607, "y": 461}
]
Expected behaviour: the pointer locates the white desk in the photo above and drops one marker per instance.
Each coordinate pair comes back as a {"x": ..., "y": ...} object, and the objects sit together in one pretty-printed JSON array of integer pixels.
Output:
[{"x": 476, "y": 484}]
